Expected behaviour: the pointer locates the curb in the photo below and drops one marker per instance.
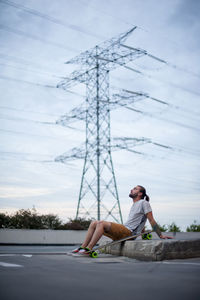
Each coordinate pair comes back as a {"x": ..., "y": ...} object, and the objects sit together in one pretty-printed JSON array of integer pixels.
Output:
[{"x": 156, "y": 250}]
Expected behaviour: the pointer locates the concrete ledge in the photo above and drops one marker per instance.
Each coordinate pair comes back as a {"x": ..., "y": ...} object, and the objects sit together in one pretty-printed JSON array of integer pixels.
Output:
[
  {"x": 157, "y": 250},
  {"x": 41, "y": 237}
]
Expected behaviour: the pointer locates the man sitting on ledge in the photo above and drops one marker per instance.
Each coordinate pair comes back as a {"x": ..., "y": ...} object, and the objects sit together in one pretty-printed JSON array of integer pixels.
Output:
[{"x": 139, "y": 213}]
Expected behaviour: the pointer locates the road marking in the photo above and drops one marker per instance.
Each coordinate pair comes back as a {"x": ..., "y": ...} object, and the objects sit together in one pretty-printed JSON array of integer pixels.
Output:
[
  {"x": 3, "y": 264},
  {"x": 7, "y": 254},
  {"x": 25, "y": 255},
  {"x": 180, "y": 263}
]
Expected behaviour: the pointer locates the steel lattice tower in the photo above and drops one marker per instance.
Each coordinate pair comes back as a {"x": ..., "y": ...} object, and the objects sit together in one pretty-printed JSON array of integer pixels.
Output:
[
  {"x": 98, "y": 176},
  {"x": 98, "y": 194}
]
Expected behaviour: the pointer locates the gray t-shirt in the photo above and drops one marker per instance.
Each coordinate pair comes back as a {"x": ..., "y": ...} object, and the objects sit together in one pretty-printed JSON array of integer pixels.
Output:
[{"x": 137, "y": 216}]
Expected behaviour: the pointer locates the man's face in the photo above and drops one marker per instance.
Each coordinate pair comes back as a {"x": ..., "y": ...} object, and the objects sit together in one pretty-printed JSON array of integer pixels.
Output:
[{"x": 135, "y": 192}]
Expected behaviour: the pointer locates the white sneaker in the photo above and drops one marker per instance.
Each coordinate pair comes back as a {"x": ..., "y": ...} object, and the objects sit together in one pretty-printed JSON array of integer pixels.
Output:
[
  {"x": 77, "y": 249},
  {"x": 83, "y": 252}
]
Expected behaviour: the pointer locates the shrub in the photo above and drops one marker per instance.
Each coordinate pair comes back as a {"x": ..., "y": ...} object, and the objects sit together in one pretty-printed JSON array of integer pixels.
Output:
[
  {"x": 25, "y": 219},
  {"x": 173, "y": 228},
  {"x": 4, "y": 220},
  {"x": 193, "y": 227},
  {"x": 29, "y": 219},
  {"x": 51, "y": 221},
  {"x": 77, "y": 224},
  {"x": 162, "y": 228}
]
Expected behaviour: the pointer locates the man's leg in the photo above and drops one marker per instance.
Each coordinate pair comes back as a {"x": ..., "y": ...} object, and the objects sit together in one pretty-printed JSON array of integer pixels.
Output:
[
  {"x": 100, "y": 228},
  {"x": 89, "y": 234}
]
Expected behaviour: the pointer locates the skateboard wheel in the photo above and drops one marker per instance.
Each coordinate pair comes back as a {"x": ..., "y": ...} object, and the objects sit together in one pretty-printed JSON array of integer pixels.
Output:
[
  {"x": 149, "y": 236},
  {"x": 144, "y": 236},
  {"x": 94, "y": 254}
]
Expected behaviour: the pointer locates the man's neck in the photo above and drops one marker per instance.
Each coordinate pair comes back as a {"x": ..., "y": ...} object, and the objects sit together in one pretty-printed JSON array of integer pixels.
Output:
[{"x": 136, "y": 199}]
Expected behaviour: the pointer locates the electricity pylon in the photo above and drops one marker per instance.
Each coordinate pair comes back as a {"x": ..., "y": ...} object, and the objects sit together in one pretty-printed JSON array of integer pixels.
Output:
[{"x": 98, "y": 196}]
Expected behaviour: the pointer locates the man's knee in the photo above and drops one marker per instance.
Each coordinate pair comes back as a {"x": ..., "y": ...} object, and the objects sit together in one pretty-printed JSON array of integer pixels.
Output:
[
  {"x": 100, "y": 223},
  {"x": 105, "y": 225},
  {"x": 93, "y": 224}
]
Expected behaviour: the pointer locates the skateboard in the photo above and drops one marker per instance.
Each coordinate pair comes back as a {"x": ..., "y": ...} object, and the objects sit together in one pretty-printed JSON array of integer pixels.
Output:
[{"x": 145, "y": 236}]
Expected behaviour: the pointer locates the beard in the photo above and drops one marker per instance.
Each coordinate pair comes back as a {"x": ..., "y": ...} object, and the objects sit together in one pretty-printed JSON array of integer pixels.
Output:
[{"x": 133, "y": 196}]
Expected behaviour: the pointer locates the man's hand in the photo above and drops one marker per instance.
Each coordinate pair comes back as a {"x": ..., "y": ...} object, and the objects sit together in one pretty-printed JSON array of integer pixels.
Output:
[{"x": 166, "y": 237}]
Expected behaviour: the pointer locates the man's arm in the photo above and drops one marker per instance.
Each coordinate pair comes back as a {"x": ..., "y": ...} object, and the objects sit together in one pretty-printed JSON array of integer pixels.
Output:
[{"x": 155, "y": 226}]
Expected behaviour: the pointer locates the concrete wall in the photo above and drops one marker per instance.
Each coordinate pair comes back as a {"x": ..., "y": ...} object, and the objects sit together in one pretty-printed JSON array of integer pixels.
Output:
[{"x": 41, "y": 237}]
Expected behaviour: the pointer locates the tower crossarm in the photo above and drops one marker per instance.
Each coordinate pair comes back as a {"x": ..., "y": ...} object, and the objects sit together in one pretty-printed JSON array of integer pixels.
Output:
[
  {"x": 142, "y": 51},
  {"x": 76, "y": 114},
  {"x": 118, "y": 143},
  {"x": 128, "y": 143},
  {"x": 140, "y": 95},
  {"x": 123, "y": 98},
  {"x": 107, "y": 59},
  {"x": 86, "y": 57},
  {"x": 117, "y": 57},
  {"x": 78, "y": 76},
  {"x": 74, "y": 153},
  {"x": 119, "y": 99},
  {"x": 126, "y": 98}
]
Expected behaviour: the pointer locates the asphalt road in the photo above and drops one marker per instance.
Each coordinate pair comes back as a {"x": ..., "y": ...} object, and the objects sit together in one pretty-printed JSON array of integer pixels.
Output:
[{"x": 46, "y": 275}]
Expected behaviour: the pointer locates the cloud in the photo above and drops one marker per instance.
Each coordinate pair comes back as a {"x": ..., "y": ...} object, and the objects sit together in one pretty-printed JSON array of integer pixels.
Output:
[{"x": 19, "y": 191}]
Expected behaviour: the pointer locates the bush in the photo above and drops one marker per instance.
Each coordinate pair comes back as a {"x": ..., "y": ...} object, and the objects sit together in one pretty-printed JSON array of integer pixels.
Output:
[
  {"x": 29, "y": 219},
  {"x": 4, "y": 220},
  {"x": 170, "y": 228},
  {"x": 162, "y": 228},
  {"x": 77, "y": 224},
  {"x": 25, "y": 219},
  {"x": 51, "y": 221},
  {"x": 193, "y": 227},
  {"x": 173, "y": 228}
]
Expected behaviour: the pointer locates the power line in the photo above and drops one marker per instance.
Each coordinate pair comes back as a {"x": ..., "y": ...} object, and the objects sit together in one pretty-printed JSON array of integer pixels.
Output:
[
  {"x": 129, "y": 68},
  {"x": 34, "y": 37},
  {"x": 161, "y": 60},
  {"x": 30, "y": 134},
  {"x": 6, "y": 117},
  {"x": 77, "y": 28},
  {"x": 24, "y": 120},
  {"x": 51, "y": 19},
  {"x": 19, "y": 156},
  {"x": 123, "y": 98},
  {"x": 27, "y": 82},
  {"x": 160, "y": 118},
  {"x": 36, "y": 84},
  {"x": 128, "y": 94},
  {"x": 23, "y": 61},
  {"x": 160, "y": 80},
  {"x": 111, "y": 61},
  {"x": 125, "y": 21},
  {"x": 26, "y": 153},
  {"x": 32, "y": 71},
  {"x": 52, "y": 123},
  {"x": 28, "y": 111}
]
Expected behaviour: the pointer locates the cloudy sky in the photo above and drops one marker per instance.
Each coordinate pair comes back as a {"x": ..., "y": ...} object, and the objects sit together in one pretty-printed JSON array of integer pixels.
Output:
[{"x": 36, "y": 38}]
